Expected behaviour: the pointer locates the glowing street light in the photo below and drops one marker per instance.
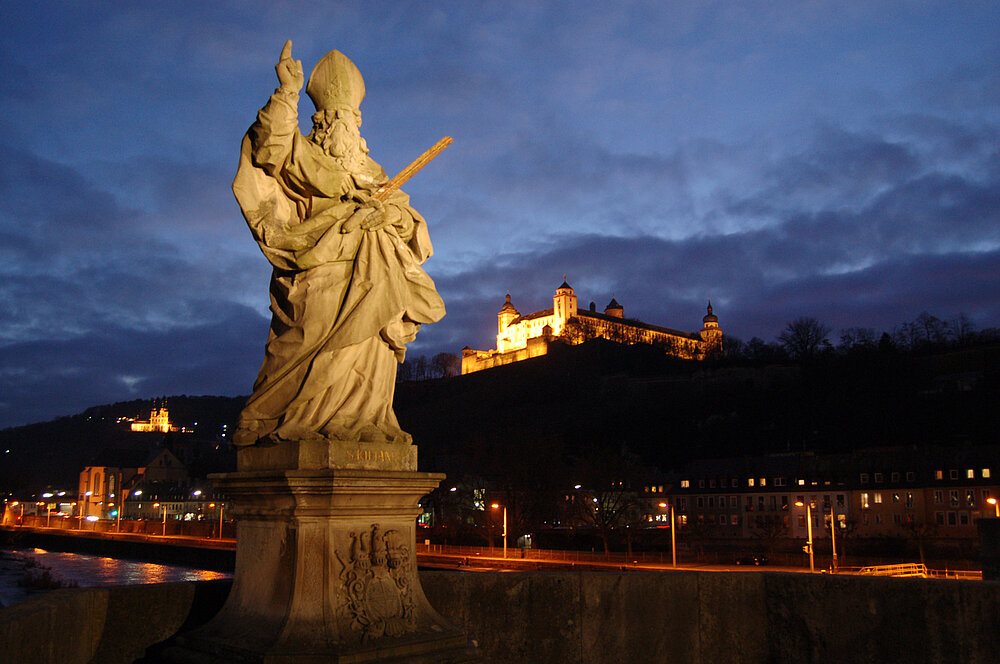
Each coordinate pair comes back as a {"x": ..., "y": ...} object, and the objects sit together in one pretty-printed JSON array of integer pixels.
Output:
[
  {"x": 497, "y": 506},
  {"x": 15, "y": 504},
  {"x": 673, "y": 533},
  {"x": 809, "y": 526},
  {"x": 222, "y": 507},
  {"x": 996, "y": 506},
  {"x": 164, "y": 517},
  {"x": 83, "y": 508},
  {"x": 833, "y": 538}
]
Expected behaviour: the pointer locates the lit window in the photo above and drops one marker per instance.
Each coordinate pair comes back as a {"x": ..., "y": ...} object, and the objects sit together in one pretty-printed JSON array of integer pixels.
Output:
[
  {"x": 864, "y": 500},
  {"x": 735, "y": 520},
  {"x": 939, "y": 474},
  {"x": 970, "y": 474},
  {"x": 763, "y": 481},
  {"x": 685, "y": 484},
  {"x": 878, "y": 496},
  {"x": 802, "y": 482},
  {"x": 986, "y": 473},
  {"x": 750, "y": 482}
]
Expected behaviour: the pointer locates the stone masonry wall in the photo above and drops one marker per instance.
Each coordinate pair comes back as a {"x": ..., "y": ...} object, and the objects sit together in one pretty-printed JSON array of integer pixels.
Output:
[{"x": 585, "y": 618}]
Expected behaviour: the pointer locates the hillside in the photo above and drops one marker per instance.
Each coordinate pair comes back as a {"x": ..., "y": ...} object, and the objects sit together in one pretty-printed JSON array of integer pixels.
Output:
[{"x": 534, "y": 416}]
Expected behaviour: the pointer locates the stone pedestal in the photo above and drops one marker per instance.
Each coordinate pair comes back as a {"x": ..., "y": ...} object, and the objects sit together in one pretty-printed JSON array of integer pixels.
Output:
[{"x": 326, "y": 566}]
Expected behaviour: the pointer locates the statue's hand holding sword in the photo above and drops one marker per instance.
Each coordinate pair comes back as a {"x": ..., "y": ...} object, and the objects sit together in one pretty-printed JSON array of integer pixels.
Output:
[{"x": 376, "y": 218}]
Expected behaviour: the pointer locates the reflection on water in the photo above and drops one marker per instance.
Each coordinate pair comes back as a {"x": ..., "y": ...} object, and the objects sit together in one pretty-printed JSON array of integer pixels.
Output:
[{"x": 88, "y": 571}]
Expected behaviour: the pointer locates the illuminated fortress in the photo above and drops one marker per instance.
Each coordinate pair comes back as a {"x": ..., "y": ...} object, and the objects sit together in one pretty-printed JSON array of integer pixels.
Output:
[{"x": 522, "y": 337}]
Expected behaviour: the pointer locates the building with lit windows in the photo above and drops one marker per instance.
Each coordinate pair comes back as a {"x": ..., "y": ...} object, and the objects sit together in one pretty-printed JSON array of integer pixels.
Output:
[
  {"x": 520, "y": 337},
  {"x": 159, "y": 421},
  {"x": 925, "y": 491}
]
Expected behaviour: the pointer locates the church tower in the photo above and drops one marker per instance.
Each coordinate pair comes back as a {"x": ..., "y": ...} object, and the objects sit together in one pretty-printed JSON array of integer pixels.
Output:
[
  {"x": 563, "y": 307},
  {"x": 710, "y": 333}
]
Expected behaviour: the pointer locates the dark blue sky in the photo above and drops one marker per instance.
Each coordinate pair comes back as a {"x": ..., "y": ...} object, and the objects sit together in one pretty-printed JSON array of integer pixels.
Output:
[{"x": 831, "y": 159}]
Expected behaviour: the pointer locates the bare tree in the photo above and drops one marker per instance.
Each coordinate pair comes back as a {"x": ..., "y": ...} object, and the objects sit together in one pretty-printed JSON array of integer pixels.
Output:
[
  {"x": 446, "y": 365},
  {"x": 852, "y": 338},
  {"x": 805, "y": 338},
  {"x": 935, "y": 331},
  {"x": 962, "y": 329}
]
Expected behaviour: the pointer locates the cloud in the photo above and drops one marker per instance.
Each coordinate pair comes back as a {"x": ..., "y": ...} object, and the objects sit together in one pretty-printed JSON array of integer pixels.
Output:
[{"x": 43, "y": 379}]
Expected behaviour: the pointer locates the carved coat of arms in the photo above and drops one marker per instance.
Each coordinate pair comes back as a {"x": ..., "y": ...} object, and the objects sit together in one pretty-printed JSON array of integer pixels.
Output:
[{"x": 375, "y": 584}]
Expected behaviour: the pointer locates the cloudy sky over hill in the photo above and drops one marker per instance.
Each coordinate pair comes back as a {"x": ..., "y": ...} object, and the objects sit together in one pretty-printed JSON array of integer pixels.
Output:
[{"x": 839, "y": 160}]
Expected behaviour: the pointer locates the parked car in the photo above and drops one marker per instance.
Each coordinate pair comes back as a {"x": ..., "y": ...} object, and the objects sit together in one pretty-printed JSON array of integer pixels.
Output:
[{"x": 753, "y": 559}]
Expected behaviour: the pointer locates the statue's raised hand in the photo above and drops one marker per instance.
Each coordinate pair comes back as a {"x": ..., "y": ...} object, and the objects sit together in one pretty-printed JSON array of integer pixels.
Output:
[{"x": 289, "y": 71}]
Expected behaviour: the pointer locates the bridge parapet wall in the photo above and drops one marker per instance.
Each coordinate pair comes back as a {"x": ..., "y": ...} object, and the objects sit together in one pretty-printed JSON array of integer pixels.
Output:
[{"x": 584, "y": 618}]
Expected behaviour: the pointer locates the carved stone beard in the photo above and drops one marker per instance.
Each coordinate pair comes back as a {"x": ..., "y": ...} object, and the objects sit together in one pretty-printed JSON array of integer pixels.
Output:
[{"x": 341, "y": 139}]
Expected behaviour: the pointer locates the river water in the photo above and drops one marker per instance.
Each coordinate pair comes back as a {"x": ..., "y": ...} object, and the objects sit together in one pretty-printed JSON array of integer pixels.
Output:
[{"x": 76, "y": 569}]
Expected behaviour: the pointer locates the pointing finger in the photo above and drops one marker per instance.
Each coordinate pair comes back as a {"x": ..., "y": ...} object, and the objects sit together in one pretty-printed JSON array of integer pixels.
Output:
[{"x": 286, "y": 52}]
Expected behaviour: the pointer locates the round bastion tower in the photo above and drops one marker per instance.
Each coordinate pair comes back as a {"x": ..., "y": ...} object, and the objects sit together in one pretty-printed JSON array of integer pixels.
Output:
[
  {"x": 504, "y": 318},
  {"x": 563, "y": 307}
]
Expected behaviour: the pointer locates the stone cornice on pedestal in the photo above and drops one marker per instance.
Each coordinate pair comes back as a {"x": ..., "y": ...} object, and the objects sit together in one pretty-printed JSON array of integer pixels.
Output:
[{"x": 326, "y": 566}]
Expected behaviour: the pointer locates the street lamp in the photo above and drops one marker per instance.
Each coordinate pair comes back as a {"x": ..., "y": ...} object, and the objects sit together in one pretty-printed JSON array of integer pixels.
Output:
[
  {"x": 497, "y": 506},
  {"x": 996, "y": 506},
  {"x": 809, "y": 526},
  {"x": 833, "y": 537},
  {"x": 83, "y": 508},
  {"x": 673, "y": 533},
  {"x": 15, "y": 504},
  {"x": 164, "y": 517},
  {"x": 222, "y": 508}
]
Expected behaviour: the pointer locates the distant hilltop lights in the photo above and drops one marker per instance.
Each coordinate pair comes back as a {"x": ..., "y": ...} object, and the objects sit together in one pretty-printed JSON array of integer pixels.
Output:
[{"x": 520, "y": 337}]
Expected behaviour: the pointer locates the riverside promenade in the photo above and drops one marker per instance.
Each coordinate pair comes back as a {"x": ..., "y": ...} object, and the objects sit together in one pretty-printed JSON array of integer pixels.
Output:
[{"x": 576, "y": 615}]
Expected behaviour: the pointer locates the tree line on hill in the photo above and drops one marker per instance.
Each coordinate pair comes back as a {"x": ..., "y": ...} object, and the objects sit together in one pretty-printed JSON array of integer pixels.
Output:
[
  {"x": 442, "y": 365},
  {"x": 807, "y": 338}
]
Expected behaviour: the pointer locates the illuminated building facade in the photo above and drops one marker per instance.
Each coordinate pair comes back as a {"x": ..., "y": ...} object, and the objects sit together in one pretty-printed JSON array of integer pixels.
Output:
[
  {"x": 873, "y": 493},
  {"x": 520, "y": 337},
  {"x": 159, "y": 421}
]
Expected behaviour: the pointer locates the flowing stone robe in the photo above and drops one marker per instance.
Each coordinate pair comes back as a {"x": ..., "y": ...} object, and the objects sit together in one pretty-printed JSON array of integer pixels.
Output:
[{"x": 344, "y": 304}]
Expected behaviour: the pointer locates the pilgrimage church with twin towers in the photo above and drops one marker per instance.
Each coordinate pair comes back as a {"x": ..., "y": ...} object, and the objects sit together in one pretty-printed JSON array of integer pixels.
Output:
[{"x": 520, "y": 337}]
